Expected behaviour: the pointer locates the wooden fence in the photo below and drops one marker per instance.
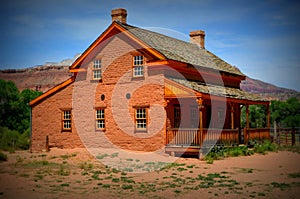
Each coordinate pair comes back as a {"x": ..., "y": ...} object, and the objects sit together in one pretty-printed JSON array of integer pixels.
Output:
[
  {"x": 286, "y": 136},
  {"x": 256, "y": 134}
]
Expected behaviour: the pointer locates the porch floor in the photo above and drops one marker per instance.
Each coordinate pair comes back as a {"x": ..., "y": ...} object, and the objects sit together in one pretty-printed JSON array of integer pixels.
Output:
[{"x": 182, "y": 149}]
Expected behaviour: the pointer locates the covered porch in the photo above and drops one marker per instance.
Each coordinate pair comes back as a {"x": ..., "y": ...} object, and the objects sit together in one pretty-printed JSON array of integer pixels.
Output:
[{"x": 199, "y": 117}]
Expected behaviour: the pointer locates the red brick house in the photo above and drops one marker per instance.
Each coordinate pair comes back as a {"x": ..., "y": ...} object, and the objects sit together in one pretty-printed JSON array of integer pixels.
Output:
[{"x": 143, "y": 91}]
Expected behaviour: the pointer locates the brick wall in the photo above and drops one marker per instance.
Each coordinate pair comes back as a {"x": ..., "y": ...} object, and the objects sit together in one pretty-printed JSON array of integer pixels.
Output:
[
  {"x": 84, "y": 95},
  {"x": 47, "y": 121}
]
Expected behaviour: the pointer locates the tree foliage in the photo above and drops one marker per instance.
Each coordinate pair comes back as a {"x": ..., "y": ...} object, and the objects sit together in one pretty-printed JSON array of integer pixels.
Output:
[
  {"x": 14, "y": 107},
  {"x": 257, "y": 116},
  {"x": 15, "y": 115},
  {"x": 287, "y": 113}
]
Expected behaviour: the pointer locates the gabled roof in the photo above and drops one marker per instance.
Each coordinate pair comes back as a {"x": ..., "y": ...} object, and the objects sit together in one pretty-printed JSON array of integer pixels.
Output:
[
  {"x": 181, "y": 51},
  {"x": 216, "y": 90},
  {"x": 164, "y": 47},
  {"x": 113, "y": 29}
]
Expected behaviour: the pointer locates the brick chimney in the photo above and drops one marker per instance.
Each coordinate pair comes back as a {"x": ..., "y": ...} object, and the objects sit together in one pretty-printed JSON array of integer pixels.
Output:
[
  {"x": 197, "y": 37},
  {"x": 119, "y": 14}
]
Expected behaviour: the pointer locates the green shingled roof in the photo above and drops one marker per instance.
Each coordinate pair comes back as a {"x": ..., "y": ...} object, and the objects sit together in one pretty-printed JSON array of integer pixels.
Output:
[
  {"x": 216, "y": 90},
  {"x": 178, "y": 50}
]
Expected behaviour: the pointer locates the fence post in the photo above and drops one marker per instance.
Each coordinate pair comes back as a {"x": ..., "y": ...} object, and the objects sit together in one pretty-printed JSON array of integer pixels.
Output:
[
  {"x": 245, "y": 135},
  {"x": 275, "y": 133},
  {"x": 47, "y": 143},
  {"x": 293, "y": 136}
]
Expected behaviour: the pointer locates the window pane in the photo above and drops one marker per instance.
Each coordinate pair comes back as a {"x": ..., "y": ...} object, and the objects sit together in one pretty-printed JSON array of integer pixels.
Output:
[
  {"x": 67, "y": 115},
  {"x": 100, "y": 124},
  {"x": 141, "y": 118},
  {"x": 67, "y": 124},
  {"x": 138, "y": 60},
  {"x": 141, "y": 113},
  {"x": 100, "y": 114},
  {"x": 141, "y": 124},
  {"x": 138, "y": 71},
  {"x": 100, "y": 119},
  {"x": 177, "y": 117},
  {"x": 66, "y": 120},
  {"x": 194, "y": 115},
  {"x": 97, "y": 64},
  {"x": 97, "y": 74}
]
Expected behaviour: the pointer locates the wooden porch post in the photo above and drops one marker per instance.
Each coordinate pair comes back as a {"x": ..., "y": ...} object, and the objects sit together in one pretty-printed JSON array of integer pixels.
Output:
[
  {"x": 166, "y": 121},
  {"x": 268, "y": 116},
  {"x": 246, "y": 135},
  {"x": 232, "y": 116},
  {"x": 247, "y": 116},
  {"x": 200, "y": 107}
]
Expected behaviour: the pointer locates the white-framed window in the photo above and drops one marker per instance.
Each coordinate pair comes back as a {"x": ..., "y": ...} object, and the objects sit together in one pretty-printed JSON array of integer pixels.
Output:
[
  {"x": 66, "y": 120},
  {"x": 138, "y": 66},
  {"x": 97, "y": 69},
  {"x": 100, "y": 118},
  {"x": 141, "y": 119}
]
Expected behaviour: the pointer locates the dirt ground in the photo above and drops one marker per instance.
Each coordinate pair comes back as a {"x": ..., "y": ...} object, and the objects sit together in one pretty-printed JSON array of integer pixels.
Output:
[{"x": 75, "y": 173}]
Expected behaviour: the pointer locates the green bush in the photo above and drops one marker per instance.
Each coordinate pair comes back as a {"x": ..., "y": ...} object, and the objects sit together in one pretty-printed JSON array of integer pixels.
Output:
[
  {"x": 264, "y": 147},
  {"x": 23, "y": 141},
  {"x": 3, "y": 157},
  {"x": 220, "y": 152},
  {"x": 12, "y": 139}
]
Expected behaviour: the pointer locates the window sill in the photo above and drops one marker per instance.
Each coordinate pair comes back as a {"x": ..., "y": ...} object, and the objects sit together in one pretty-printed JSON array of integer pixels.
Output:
[
  {"x": 100, "y": 130},
  {"x": 140, "y": 131},
  {"x": 66, "y": 130},
  {"x": 96, "y": 80},
  {"x": 136, "y": 78}
]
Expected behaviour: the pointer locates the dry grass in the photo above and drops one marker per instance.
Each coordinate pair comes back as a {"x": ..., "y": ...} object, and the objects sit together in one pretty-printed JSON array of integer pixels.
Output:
[{"x": 75, "y": 174}]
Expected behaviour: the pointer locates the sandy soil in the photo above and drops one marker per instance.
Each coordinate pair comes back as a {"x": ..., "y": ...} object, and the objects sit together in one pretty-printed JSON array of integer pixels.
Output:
[{"x": 75, "y": 173}]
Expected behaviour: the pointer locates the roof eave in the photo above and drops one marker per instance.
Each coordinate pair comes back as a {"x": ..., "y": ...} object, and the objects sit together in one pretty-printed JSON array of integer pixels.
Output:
[{"x": 107, "y": 33}]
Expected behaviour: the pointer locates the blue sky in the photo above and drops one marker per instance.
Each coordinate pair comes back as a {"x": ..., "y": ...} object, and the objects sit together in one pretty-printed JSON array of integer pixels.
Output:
[{"x": 259, "y": 37}]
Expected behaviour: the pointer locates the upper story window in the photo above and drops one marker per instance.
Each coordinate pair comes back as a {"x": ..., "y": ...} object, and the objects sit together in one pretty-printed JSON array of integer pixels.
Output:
[
  {"x": 141, "y": 119},
  {"x": 138, "y": 66},
  {"x": 66, "y": 120},
  {"x": 97, "y": 69}
]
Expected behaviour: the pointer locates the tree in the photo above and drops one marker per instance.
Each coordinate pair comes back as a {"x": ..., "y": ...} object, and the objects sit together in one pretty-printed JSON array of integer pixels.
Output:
[
  {"x": 15, "y": 115},
  {"x": 287, "y": 113},
  {"x": 9, "y": 95},
  {"x": 257, "y": 116},
  {"x": 24, "y": 109},
  {"x": 14, "y": 106}
]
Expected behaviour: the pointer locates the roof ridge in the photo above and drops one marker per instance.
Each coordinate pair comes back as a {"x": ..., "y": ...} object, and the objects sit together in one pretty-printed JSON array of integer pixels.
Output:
[
  {"x": 144, "y": 29},
  {"x": 182, "y": 51}
]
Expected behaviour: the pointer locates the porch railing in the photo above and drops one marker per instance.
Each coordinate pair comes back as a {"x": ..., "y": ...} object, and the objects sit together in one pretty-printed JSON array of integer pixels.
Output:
[
  {"x": 194, "y": 137},
  {"x": 256, "y": 134}
]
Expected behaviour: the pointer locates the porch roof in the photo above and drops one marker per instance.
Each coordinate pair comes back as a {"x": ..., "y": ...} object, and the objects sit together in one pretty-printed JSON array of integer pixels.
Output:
[{"x": 217, "y": 90}]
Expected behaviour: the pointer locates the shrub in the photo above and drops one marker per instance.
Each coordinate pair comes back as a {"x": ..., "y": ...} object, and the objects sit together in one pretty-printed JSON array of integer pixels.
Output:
[
  {"x": 221, "y": 152},
  {"x": 12, "y": 139},
  {"x": 23, "y": 141},
  {"x": 264, "y": 147},
  {"x": 3, "y": 157}
]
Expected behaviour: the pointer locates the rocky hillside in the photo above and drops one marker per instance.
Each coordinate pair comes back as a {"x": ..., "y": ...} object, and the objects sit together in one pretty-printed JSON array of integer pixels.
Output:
[
  {"x": 267, "y": 90},
  {"x": 43, "y": 78},
  {"x": 40, "y": 78}
]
